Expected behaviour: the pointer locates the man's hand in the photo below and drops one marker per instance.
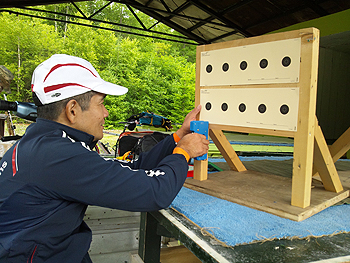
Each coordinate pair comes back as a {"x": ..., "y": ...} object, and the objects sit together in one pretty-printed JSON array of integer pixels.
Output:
[
  {"x": 191, "y": 116},
  {"x": 194, "y": 144}
]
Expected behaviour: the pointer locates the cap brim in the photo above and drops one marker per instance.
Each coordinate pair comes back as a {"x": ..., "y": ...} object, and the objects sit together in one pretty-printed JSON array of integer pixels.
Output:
[{"x": 110, "y": 89}]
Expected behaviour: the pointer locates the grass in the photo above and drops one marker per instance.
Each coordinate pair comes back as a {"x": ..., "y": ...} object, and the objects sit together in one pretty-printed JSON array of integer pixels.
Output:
[
  {"x": 20, "y": 128},
  {"x": 110, "y": 140}
]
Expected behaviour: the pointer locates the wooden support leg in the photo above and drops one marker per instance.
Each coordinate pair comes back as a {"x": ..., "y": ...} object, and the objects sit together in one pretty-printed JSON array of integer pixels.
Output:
[
  {"x": 200, "y": 171},
  {"x": 226, "y": 150},
  {"x": 324, "y": 164},
  {"x": 305, "y": 135},
  {"x": 340, "y": 146},
  {"x": 302, "y": 167}
]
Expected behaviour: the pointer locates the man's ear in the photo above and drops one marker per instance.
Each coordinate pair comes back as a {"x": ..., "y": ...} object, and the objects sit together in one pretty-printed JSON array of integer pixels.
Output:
[{"x": 72, "y": 110}]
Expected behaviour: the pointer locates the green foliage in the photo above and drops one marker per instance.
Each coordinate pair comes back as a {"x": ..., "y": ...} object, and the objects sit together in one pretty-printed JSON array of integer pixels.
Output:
[
  {"x": 25, "y": 43},
  {"x": 160, "y": 75}
]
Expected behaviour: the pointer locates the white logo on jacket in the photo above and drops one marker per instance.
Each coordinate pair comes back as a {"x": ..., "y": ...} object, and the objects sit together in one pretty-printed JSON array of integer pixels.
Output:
[
  {"x": 3, "y": 166},
  {"x": 64, "y": 135},
  {"x": 152, "y": 173}
]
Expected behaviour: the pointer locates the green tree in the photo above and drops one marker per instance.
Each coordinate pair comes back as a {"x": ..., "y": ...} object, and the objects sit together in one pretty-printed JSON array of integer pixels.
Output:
[
  {"x": 159, "y": 77},
  {"x": 25, "y": 43}
]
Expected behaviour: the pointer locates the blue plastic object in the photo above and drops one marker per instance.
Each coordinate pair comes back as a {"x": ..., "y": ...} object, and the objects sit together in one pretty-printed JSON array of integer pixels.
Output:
[{"x": 201, "y": 127}]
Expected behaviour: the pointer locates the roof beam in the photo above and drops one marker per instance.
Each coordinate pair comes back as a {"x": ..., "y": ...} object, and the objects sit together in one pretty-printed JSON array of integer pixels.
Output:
[
  {"x": 140, "y": 7},
  {"x": 77, "y": 7},
  {"x": 221, "y": 13},
  {"x": 179, "y": 9},
  {"x": 151, "y": 12},
  {"x": 165, "y": 6},
  {"x": 220, "y": 17},
  {"x": 223, "y": 36},
  {"x": 281, "y": 14},
  {"x": 9, "y": 4},
  {"x": 316, "y": 8},
  {"x": 103, "y": 7},
  {"x": 137, "y": 18},
  {"x": 100, "y": 27}
]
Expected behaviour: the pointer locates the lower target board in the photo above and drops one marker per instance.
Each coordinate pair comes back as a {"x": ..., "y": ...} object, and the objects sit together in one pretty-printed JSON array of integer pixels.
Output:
[{"x": 266, "y": 108}]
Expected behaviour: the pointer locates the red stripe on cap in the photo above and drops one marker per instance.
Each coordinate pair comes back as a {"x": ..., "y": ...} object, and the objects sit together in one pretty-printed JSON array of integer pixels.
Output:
[
  {"x": 14, "y": 162},
  {"x": 63, "y": 85},
  {"x": 68, "y": 64}
]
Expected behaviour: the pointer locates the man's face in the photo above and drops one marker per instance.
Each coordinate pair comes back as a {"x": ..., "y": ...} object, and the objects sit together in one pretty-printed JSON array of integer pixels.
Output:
[{"x": 93, "y": 119}]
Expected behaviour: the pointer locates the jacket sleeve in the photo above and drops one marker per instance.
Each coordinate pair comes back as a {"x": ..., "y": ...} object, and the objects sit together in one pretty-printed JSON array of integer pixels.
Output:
[{"x": 75, "y": 173}]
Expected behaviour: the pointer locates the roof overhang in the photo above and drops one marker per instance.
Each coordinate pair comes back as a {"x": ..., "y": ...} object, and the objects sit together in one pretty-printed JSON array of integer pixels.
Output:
[{"x": 206, "y": 21}]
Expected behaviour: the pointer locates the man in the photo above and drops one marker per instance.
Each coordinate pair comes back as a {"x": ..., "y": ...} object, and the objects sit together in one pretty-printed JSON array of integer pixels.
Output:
[{"x": 49, "y": 177}]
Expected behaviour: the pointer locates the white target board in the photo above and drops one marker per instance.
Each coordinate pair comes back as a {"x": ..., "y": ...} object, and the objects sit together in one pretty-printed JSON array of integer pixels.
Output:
[
  {"x": 267, "y": 108},
  {"x": 264, "y": 63}
]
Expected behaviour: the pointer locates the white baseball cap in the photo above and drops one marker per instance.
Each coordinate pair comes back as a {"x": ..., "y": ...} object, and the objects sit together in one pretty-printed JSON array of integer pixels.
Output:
[{"x": 63, "y": 76}]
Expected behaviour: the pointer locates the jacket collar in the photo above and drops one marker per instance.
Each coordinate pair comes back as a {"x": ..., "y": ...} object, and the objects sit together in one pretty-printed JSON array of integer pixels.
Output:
[{"x": 47, "y": 125}]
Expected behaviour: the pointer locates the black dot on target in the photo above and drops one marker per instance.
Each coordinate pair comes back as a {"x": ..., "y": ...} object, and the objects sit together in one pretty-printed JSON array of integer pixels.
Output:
[
  {"x": 225, "y": 67},
  {"x": 263, "y": 63},
  {"x": 208, "y": 106},
  {"x": 242, "y": 107},
  {"x": 224, "y": 106},
  {"x": 209, "y": 68},
  {"x": 262, "y": 108},
  {"x": 284, "y": 109},
  {"x": 243, "y": 65},
  {"x": 286, "y": 61}
]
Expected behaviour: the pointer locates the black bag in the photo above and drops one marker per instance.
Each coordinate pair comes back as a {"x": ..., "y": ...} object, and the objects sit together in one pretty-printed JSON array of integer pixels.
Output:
[
  {"x": 147, "y": 142},
  {"x": 138, "y": 142}
]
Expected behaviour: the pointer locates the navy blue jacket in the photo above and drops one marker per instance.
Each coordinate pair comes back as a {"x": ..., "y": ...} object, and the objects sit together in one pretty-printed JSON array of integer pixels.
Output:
[{"x": 49, "y": 177}]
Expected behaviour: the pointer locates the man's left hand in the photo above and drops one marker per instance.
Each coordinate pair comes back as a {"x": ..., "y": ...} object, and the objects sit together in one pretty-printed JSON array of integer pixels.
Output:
[{"x": 191, "y": 116}]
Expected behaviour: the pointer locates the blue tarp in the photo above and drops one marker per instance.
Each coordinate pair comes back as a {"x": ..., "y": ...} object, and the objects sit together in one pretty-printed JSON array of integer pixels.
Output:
[{"x": 235, "y": 224}]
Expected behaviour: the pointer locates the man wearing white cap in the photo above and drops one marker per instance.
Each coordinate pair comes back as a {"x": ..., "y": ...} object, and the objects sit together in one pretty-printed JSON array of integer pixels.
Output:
[{"x": 49, "y": 177}]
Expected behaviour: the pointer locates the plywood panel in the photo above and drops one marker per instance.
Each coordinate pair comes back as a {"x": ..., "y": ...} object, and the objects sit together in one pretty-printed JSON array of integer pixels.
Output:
[
  {"x": 333, "y": 93},
  {"x": 324, "y": 89},
  {"x": 266, "y": 192}
]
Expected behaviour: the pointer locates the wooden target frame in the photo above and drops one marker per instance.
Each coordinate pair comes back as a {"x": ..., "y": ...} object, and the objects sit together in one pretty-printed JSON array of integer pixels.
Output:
[{"x": 311, "y": 156}]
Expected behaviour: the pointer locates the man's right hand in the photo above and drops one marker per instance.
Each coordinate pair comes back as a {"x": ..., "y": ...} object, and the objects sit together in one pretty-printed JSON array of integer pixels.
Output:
[{"x": 194, "y": 144}]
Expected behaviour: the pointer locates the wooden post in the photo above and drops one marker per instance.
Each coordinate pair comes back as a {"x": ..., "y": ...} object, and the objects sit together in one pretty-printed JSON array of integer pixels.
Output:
[
  {"x": 200, "y": 170},
  {"x": 3, "y": 118},
  {"x": 304, "y": 137}
]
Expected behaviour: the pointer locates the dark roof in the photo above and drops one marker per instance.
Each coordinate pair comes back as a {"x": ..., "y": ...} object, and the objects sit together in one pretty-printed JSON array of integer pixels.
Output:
[{"x": 208, "y": 21}]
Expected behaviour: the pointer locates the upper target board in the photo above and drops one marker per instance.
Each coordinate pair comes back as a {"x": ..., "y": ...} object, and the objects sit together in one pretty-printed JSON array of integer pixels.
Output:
[{"x": 264, "y": 63}]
